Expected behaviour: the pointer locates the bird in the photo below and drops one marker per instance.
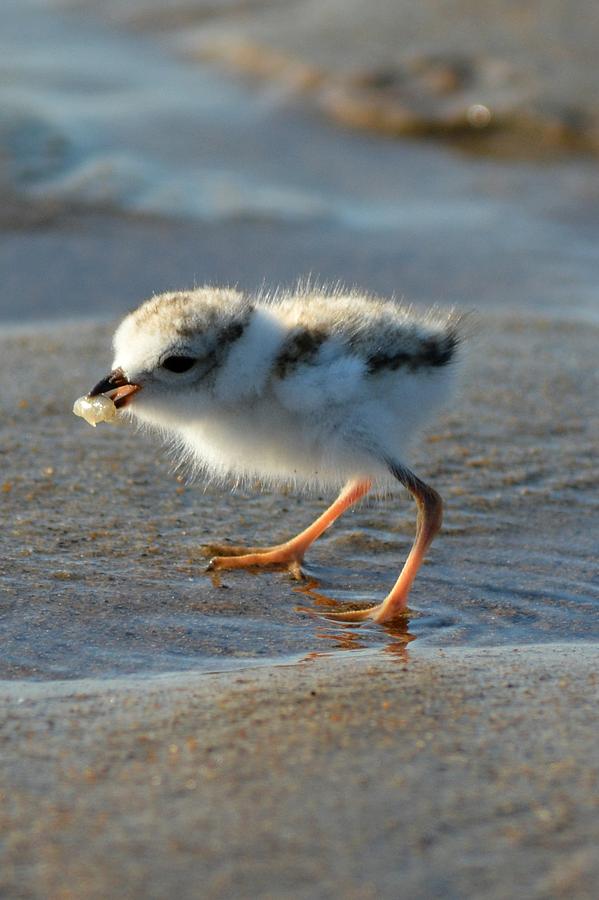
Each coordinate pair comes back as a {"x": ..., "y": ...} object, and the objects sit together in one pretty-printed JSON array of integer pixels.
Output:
[{"x": 313, "y": 386}]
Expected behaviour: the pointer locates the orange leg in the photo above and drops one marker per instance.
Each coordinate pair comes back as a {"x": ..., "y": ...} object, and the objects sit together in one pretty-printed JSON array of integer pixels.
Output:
[
  {"x": 430, "y": 515},
  {"x": 291, "y": 553}
]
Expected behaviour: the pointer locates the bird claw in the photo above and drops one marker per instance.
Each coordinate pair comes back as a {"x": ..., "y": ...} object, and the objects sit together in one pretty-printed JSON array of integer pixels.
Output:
[
  {"x": 353, "y": 615},
  {"x": 373, "y": 613},
  {"x": 215, "y": 551},
  {"x": 377, "y": 613},
  {"x": 276, "y": 558}
]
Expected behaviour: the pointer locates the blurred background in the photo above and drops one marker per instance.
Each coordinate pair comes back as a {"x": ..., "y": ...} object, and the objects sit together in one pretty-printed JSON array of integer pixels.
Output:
[{"x": 442, "y": 152}]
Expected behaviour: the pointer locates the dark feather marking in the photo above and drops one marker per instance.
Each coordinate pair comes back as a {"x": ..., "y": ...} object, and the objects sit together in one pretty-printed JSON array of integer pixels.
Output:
[
  {"x": 226, "y": 337},
  {"x": 232, "y": 332},
  {"x": 301, "y": 347},
  {"x": 187, "y": 327},
  {"x": 432, "y": 353}
]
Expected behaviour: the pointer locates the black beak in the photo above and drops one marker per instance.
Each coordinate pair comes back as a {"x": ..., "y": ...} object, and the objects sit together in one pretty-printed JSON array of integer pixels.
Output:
[
  {"x": 111, "y": 384},
  {"x": 115, "y": 380}
]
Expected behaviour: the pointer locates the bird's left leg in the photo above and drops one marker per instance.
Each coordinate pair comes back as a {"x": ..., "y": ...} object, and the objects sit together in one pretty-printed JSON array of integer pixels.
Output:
[{"x": 292, "y": 552}]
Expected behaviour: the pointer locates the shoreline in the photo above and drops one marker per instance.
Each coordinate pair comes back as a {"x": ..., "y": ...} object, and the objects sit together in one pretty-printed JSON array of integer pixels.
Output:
[
  {"x": 512, "y": 84},
  {"x": 23, "y": 689}
]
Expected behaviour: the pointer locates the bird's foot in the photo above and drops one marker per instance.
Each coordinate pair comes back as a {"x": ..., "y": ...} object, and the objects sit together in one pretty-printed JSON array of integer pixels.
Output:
[
  {"x": 281, "y": 557},
  {"x": 381, "y": 613},
  {"x": 392, "y": 611},
  {"x": 353, "y": 615},
  {"x": 225, "y": 550}
]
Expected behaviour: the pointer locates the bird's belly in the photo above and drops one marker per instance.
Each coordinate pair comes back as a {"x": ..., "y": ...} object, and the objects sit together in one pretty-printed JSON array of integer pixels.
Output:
[
  {"x": 275, "y": 445},
  {"x": 322, "y": 446}
]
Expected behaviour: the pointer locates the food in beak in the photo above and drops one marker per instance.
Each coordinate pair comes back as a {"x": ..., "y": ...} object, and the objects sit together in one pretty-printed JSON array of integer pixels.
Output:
[
  {"x": 105, "y": 399},
  {"x": 95, "y": 409}
]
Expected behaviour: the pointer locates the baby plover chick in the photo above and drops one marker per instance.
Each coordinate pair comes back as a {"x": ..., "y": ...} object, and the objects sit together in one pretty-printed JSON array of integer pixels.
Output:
[{"x": 320, "y": 389}]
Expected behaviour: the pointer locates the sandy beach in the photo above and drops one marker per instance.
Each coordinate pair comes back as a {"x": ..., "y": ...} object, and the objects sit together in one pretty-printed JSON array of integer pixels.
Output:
[
  {"x": 455, "y": 756},
  {"x": 456, "y": 773},
  {"x": 163, "y": 733}
]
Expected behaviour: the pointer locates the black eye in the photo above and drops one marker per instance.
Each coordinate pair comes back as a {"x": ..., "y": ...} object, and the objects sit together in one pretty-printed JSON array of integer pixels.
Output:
[{"x": 178, "y": 363}]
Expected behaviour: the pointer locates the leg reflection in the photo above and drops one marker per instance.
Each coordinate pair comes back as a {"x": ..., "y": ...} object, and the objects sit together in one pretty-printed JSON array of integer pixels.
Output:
[{"x": 355, "y": 635}]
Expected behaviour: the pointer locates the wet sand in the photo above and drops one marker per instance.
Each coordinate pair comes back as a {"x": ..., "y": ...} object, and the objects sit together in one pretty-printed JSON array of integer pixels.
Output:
[
  {"x": 370, "y": 762},
  {"x": 462, "y": 773},
  {"x": 104, "y": 537}
]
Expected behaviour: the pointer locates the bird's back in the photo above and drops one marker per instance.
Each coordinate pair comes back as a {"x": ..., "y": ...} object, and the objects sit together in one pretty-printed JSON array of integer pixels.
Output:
[
  {"x": 340, "y": 382},
  {"x": 385, "y": 334}
]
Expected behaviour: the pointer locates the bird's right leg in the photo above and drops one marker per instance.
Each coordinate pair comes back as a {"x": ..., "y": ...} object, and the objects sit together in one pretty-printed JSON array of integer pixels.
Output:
[
  {"x": 291, "y": 553},
  {"x": 430, "y": 515}
]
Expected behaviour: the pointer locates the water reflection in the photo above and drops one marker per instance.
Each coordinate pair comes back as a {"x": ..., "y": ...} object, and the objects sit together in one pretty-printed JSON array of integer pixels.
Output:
[{"x": 392, "y": 638}]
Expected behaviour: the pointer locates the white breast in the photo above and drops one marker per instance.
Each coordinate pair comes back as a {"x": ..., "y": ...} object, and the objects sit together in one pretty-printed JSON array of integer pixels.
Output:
[{"x": 249, "y": 362}]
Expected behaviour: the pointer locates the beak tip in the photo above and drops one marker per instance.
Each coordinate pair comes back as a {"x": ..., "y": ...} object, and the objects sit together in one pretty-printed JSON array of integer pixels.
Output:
[
  {"x": 116, "y": 379},
  {"x": 116, "y": 387}
]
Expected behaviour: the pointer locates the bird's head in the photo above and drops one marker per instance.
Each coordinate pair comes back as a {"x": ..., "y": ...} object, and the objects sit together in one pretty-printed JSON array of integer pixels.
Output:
[{"x": 167, "y": 349}]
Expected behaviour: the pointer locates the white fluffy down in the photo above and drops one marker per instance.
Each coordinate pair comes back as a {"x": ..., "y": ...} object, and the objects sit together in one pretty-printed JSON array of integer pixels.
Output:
[
  {"x": 312, "y": 387},
  {"x": 248, "y": 364},
  {"x": 319, "y": 420}
]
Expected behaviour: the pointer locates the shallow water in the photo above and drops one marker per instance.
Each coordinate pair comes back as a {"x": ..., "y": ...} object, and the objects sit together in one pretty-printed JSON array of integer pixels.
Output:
[
  {"x": 155, "y": 173},
  {"x": 103, "y": 571}
]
